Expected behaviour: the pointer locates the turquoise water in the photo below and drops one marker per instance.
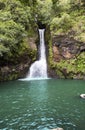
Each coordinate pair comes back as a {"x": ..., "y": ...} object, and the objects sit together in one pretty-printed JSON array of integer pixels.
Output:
[{"x": 42, "y": 105}]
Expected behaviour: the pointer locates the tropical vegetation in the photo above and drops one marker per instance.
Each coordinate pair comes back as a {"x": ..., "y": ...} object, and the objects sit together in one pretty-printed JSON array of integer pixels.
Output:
[{"x": 19, "y": 21}]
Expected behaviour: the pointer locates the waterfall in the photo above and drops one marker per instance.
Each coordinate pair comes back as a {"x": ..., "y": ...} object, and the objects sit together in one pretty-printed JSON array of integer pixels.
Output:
[{"x": 38, "y": 69}]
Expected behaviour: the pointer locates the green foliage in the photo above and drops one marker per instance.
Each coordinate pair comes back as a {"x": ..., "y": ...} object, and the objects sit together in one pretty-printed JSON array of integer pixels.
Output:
[
  {"x": 43, "y": 11},
  {"x": 68, "y": 65},
  {"x": 61, "y": 24},
  {"x": 68, "y": 16},
  {"x": 17, "y": 12},
  {"x": 56, "y": 8},
  {"x": 60, "y": 6},
  {"x": 29, "y": 2},
  {"x": 50, "y": 53},
  {"x": 2, "y": 5},
  {"x": 3, "y": 50},
  {"x": 71, "y": 67},
  {"x": 5, "y": 15},
  {"x": 79, "y": 28},
  {"x": 14, "y": 24},
  {"x": 11, "y": 36},
  {"x": 81, "y": 62}
]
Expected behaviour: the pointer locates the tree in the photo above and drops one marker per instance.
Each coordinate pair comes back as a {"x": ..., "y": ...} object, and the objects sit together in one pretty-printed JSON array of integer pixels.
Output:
[
  {"x": 14, "y": 24},
  {"x": 43, "y": 11}
]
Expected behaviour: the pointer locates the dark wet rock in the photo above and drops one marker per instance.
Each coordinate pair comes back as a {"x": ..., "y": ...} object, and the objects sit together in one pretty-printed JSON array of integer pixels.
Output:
[{"x": 66, "y": 47}]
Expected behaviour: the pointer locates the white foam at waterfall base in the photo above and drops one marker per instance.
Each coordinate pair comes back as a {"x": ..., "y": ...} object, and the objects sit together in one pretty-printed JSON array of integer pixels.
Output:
[{"x": 38, "y": 69}]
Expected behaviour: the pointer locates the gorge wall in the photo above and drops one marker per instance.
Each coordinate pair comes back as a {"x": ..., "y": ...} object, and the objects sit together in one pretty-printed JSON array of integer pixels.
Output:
[{"x": 67, "y": 57}]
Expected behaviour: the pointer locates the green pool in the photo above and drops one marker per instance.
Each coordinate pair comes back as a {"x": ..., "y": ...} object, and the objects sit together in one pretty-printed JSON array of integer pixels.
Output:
[{"x": 42, "y": 105}]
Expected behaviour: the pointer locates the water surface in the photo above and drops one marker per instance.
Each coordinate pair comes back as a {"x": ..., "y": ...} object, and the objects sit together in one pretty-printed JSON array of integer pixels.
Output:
[{"x": 42, "y": 105}]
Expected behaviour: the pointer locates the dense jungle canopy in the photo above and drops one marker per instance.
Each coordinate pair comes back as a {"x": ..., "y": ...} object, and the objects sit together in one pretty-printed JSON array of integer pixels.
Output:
[{"x": 19, "y": 18}]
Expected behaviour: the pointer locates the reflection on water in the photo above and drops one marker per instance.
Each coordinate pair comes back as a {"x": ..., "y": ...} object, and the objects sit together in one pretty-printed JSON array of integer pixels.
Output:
[
  {"x": 42, "y": 105},
  {"x": 40, "y": 93}
]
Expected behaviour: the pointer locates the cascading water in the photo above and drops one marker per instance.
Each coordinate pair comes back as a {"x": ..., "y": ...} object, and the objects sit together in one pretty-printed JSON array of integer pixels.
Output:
[{"x": 38, "y": 69}]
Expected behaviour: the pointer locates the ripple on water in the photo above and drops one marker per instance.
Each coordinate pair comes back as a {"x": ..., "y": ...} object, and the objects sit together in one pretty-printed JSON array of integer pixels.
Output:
[
  {"x": 14, "y": 102},
  {"x": 15, "y": 108},
  {"x": 1, "y": 121}
]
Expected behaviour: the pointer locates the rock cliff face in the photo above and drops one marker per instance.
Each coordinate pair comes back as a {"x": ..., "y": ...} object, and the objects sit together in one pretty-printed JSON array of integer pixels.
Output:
[
  {"x": 66, "y": 48},
  {"x": 67, "y": 58}
]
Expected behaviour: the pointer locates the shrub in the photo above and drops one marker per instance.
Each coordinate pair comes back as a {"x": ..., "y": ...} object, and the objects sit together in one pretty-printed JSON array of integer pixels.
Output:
[{"x": 61, "y": 24}]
